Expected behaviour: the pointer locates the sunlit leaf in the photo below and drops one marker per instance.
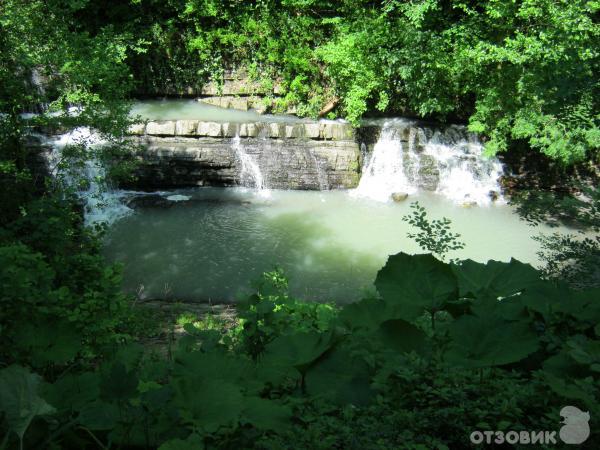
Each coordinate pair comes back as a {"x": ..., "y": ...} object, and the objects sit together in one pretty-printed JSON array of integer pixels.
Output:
[{"x": 494, "y": 279}]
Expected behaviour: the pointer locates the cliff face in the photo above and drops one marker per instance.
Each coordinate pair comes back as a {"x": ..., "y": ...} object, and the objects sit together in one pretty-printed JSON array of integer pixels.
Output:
[{"x": 307, "y": 155}]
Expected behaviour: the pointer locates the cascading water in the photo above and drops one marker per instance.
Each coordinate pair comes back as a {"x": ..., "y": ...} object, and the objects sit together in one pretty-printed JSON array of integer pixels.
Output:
[
  {"x": 101, "y": 205},
  {"x": 465, "y": 174},
  {"x": 250, "y": 173},
  {"x": 384, "y": 172},
  {"x": 321, "y": 176},
  {"x": 407, "y": 158}
]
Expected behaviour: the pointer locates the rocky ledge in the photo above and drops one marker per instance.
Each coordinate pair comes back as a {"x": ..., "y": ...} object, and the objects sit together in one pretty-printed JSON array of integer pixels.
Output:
[{"x": 295, "y": 155}]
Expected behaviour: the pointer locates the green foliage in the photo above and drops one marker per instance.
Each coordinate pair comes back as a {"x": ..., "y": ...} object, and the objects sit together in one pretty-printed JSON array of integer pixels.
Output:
[
  {"x": 55, "y": 276},
  {"x": 272, "y": 312},
  {"x": 441, "y": 350},
  {"x": 381, "y": 381},
  {"x": 434, "y": 235},
  {"x": 61, "y": 303},
  {"x": 516, "y": 71},
  {"x": 20, "y": 400}
]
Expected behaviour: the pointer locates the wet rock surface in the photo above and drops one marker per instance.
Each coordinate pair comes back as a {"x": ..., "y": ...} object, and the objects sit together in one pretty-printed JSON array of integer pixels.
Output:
[{"x": 185, "y": 153}]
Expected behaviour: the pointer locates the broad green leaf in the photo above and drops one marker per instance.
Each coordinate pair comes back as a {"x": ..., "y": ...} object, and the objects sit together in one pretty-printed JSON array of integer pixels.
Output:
[
  {"x": 208, "y": 404},
  {"x": 401, "y": 336},
  {"x": 50, "y": 342},
  {"x": 549, "y": 298},
  {"x": 562, "y": 365},
  {"x": 340, "y": 377},
  {"x": 494, "y": 279},
  {"x": 572, "y": 388},
  {"x": 211, "y": 366},
  {"x": 192, "y": 442},
  {"x": 414, "y": 284},
  {"x": 19, "y": 399},
  {"x": 489, "y": 341},
  {"x": 584, "y": 305},
  {"x": 266, "y": 414},
  {"x": 118, "y": 383},
  {"x": 367, "y": 314},
  {"x": 73, "y": 392},
  {"x": 507, "y": 308},
  {"x": 584, "y": 350},
  {"x": 99, "y": 415},
  {"x": 298, "y": 350}
]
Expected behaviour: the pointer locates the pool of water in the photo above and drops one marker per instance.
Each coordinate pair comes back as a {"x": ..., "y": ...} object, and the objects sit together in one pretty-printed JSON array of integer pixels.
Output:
[
  {"x": 330, "y": 244},
  {"x": 180, "y": 109}
]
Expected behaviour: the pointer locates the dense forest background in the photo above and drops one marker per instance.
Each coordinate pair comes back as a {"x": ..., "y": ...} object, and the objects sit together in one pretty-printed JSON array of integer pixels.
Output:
[
  {"x": 516, "y": 71},
  {"x": 433, "y": 357}
]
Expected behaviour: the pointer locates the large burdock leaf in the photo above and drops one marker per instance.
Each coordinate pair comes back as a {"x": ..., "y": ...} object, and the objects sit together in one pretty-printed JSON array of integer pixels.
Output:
[
  {"x": 99, "y": 415},
  {"x": 401, "y": 336},
  {"x": 19, "y": 399},
  {"x": 266, "y": 414},
  {"x": 209, "y": 366},
  {"x": 417, "y": 283},
  {"x": 50, "y": 342},
  {"x": 549, "y": 298},
  {"x": 341, "y": 378},
  {"x": 298, "y": 350},
  {"x": 489, "y": 341},
  {"x": 117, "y": 383},
  {"x": 193, "y": 442},
  {"x": 208, "y": 404},
  {"x": 73, "y": 392},
  {"x": 494, "y": 279},
  {"x": 366, "y": 314},
  {"x": 583, "y": 305}
]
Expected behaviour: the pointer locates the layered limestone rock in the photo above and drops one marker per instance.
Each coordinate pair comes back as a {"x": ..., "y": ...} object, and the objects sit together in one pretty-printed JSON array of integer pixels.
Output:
[
  {"x": 311, "y": 155},
  {"x": 238, "y": 91}
]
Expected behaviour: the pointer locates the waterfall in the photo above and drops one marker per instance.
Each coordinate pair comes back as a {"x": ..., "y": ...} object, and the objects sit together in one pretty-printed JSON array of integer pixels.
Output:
[
  {"x": 384, "y": 172},
  {"x": 408, "y": 158},
  {"x": 320, "y": 173},
  {"x": 465, "y": 175},
  {"x": 250, "y": 174},
  {"x": 101, "y": 205}
]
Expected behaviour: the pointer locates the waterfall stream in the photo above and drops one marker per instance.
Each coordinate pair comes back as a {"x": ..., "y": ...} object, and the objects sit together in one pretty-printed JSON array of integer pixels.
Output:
[
  {"x": 250, "y": 174},
  {"x": 406, "y": 158},
  {"x": 450, "y": 162},
  {"x": 101, "y": 204},
  {"x": 384, "y": 172}
]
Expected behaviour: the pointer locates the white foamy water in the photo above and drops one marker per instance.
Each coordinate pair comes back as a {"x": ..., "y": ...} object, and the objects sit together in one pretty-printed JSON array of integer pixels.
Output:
[
  {"x": 101, "y": 204},
  {"x": 407, "y": 159},
  {"x": 250, "y": 173},
  {"x": 385, "y": 172},
  {"x": 465, "y": 174}
]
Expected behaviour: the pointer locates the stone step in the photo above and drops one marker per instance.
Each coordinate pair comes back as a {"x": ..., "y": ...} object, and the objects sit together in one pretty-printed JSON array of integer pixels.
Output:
[{"x": 332, "y": 131}]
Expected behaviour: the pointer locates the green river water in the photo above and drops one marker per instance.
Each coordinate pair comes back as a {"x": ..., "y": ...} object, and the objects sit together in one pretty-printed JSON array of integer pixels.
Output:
[{"x": 330, "y": 244}]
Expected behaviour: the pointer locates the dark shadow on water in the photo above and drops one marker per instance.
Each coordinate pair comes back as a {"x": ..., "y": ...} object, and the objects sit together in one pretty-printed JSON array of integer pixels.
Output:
[{"x": 544, "y": 191}]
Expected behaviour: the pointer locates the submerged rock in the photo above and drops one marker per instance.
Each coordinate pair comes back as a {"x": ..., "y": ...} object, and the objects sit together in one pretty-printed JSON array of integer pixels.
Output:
[
  {"x": 149, "y": 201},
  {"x": 399, "y": 196},
  {"x": 162, "y": 201},
  {"x": 468, "y": 204}
]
